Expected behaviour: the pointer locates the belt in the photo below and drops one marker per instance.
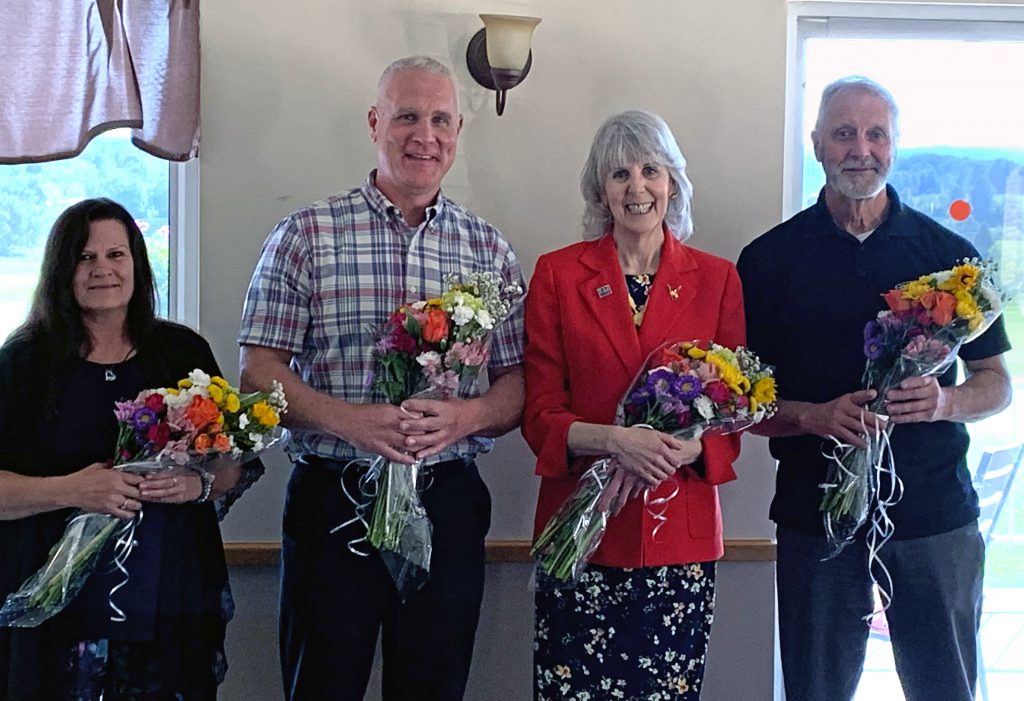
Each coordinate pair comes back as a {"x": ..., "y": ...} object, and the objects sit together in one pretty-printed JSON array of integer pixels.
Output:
[{"x": 437, "y": 468}]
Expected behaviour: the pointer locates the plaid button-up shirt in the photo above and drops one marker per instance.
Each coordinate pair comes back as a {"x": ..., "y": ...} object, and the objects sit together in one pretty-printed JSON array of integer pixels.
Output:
[{"x": 332, "y": 273}]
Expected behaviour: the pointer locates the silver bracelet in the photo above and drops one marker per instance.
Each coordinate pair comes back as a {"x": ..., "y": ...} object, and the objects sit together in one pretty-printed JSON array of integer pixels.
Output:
[{"x": 206, "y": 477}]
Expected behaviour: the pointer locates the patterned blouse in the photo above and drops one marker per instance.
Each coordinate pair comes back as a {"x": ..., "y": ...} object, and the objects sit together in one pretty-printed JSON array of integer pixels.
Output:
[{"x": 639, "y": 287}]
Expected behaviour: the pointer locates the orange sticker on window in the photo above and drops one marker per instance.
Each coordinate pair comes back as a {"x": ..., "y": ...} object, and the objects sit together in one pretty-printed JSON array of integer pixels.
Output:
[{"x": 959, "y": 210}]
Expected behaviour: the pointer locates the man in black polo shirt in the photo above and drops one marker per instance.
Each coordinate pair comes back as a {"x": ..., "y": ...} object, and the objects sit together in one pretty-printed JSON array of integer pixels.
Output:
[{"x": 811, "y": 284}]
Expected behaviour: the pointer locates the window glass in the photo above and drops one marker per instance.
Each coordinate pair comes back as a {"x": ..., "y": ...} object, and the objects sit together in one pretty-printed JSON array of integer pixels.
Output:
[
  {"x": 35, "y": 194},
  {"x": 961, "y": 161}
]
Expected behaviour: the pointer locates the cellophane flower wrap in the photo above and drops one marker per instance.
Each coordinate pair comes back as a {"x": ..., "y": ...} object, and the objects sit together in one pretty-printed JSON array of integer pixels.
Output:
[
  {"x": 686, "y": 389},
  {"x": 428, "y": 349},
  {"x": 918, "y": 335},
  {"x": 200, "y": 419}
]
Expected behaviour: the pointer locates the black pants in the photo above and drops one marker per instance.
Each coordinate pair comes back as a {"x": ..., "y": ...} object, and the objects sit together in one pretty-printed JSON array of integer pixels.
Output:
[{"x": 334, "y": 602}]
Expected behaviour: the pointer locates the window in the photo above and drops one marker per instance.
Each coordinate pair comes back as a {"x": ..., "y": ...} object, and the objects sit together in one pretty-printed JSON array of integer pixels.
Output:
[
  {"x": 962, "y": 139},
  {"x": 161, "y": 195}
]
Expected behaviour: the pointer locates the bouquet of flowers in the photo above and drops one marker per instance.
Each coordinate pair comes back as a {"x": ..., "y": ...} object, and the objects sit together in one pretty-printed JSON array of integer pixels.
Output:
[
  {"x": 427, "y": 349},
  {"x": 918, "y": 335},
  {"x": 203, "y": 417},
  {"x": 686, "y": 389}
]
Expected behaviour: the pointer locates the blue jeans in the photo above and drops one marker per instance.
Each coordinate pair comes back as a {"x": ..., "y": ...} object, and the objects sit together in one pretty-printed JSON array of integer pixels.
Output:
[{"x": 933, "y": 619}]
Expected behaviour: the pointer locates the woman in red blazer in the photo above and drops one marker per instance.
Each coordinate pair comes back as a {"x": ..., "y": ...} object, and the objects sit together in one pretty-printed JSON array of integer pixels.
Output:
[{"x": 637, "y": 624}]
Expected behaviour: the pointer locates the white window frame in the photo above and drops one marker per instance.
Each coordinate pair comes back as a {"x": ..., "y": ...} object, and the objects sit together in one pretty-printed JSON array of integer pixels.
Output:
[
  {"x": 183, "y": 218},
  {"x": 807, "y": 18}
]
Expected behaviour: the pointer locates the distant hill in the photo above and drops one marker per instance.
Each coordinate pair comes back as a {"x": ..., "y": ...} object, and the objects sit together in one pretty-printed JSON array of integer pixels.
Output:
[
  {"x": 984, "y": 154},
  {"x": 930, "y": 179}
]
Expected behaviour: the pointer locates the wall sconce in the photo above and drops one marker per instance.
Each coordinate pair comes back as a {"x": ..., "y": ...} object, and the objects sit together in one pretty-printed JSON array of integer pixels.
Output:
[{"x": 499, "y": 55}]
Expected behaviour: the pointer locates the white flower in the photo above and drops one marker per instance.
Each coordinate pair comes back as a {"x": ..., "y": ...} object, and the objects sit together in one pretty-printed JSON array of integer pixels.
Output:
[
  {"x": 704, "y": 406},
  {"x": 199, "y": 378},
  {"x": 484, "y": 318},
  {"x": 418, "y": 306},
  {"x": 177, "y": 401},
  {"x": 243, "y": 420},
  {"x": 994, "y": 301},
  {"x": 462, "y": 314},
  {"x": 429, "y": 359},
  {"x": 277, "y": 398},
  {"x": 257, "y": 441}
]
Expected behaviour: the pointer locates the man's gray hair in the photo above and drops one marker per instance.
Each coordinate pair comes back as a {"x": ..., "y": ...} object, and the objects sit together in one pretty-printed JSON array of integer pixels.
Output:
[
  {"x": 417, "y": 63},
  {"x": 858, "y": 82},
  {"x": 628, "y": 138}
]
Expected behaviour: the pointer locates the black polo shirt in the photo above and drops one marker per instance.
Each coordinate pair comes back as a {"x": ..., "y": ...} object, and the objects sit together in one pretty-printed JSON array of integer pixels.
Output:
[{"x": 809, "y": 289}]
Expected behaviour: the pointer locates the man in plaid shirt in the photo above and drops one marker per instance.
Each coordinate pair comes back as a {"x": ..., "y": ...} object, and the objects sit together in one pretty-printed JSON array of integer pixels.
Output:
[{"x": 328, "y": 275}]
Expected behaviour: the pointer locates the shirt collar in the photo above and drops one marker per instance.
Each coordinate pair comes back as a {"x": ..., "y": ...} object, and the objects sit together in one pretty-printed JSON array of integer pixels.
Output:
[
  {"x": 892, "y": 225},
  {"x": 385, "y": 208}
]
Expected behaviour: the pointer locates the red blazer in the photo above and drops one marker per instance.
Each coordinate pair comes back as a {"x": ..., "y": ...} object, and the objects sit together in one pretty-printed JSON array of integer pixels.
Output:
[{"x": 583, "y": 353}]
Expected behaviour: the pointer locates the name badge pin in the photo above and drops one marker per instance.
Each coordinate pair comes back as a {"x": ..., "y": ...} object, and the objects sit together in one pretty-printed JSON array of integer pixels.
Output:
[{"x": 604, "y": 291}]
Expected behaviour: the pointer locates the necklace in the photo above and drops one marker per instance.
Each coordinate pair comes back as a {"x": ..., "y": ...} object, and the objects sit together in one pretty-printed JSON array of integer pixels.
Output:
[{"x": 109, "y": 375}]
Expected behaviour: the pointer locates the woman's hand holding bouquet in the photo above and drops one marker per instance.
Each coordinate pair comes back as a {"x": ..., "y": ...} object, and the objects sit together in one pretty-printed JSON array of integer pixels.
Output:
[
  {"x": 99, "y": 489},
  {"x": 684, "y": 390},
  {"x": 641, "y": 460},
  {"x": 162, "y": 429}
]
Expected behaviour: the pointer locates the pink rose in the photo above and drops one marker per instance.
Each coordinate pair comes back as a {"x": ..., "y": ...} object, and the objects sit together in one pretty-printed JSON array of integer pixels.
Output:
[{"x": 718, "y": 392}]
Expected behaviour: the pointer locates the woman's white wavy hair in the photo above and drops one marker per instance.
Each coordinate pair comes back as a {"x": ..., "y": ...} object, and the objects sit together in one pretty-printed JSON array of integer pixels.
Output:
[{"x": 624, "y": 139}]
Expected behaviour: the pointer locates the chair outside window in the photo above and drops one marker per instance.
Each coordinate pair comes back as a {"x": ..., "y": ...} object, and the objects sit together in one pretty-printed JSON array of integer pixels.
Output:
[{"x": 992, "y": 480}]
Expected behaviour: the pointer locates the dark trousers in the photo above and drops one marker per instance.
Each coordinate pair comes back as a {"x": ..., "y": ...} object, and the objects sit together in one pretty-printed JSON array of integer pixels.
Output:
[
  {"x": 334, "y": 602},
  {"x": 933, "y": 620}
]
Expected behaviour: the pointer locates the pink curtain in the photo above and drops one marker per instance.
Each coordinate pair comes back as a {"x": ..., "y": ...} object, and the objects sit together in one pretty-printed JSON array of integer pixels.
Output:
[{"x": 71, "y": 69}]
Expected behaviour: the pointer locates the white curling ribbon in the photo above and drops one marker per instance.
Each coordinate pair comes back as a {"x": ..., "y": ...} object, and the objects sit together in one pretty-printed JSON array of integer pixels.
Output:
[
  {"x": 363, "y": 502},
  {"x": 657, "y": 507},
  {"x": 882, "y": 527},
  {"x": 124, "y": 543},
  {"x": 853, "y": 481},
  {"x": 368, "y": 489}
]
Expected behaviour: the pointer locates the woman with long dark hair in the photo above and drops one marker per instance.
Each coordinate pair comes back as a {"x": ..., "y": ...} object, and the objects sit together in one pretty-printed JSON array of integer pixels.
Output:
[{"x": 91, "y": 338}]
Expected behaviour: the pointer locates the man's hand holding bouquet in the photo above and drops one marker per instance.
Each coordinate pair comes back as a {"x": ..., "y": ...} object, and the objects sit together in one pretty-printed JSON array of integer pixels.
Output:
[
  {"x": 685, "y": 390},
  {"x": 916, "y": 336},
  {"x": 188, "y": 427}
]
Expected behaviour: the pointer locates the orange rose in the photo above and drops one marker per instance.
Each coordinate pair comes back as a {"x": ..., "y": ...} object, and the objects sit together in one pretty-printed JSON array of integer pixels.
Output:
[
  {"x": 941, "y": 306},
  {"x": 221, "y": 443},
  {"x": 201, "y": 412},
  {"x": 202, "y": 443},
  {"x": 895, "y": 300},
  {"x": 435, "y": 327}
]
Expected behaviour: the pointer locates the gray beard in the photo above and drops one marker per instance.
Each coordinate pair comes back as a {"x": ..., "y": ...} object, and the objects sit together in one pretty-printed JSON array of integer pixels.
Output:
[{"x": 853, "y": 189}]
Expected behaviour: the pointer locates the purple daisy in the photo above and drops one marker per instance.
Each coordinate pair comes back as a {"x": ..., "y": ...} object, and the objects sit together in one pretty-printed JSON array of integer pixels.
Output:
[
  {"x": 687, "y": 387},
  {"x": 872, "y": 329},
  {"x": 143, "y": 418},
  {"x": 873, "y": 347}
]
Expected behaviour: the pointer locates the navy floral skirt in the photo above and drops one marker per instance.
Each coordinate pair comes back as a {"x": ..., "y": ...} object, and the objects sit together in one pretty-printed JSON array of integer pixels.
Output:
[
  {"x": 625, "y": 634},
  {"x": 126, "y": 671}
]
